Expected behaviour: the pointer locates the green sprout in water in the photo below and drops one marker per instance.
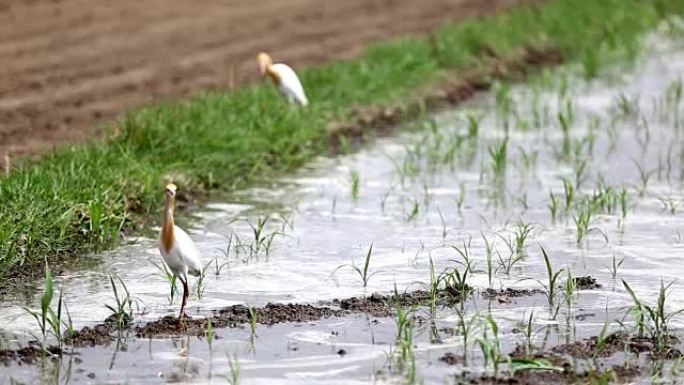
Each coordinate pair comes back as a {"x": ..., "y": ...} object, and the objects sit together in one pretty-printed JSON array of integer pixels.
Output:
[
  {"x": 460, "y": 200},
  {"x": 553, "y": 206},
  {"x": 362, "y": 272},
  {"x": 166, "y": 274},
  {"x": 122, "y": 311},
  {"x": 405, "y": 355},
  {"x": 200, "y": 282},
  {"x": 234, "y": 365},
  {"x": 615, "y": 266},
  {"x": 211, "y": 335},
  {"x": 49, "y": 320},
  {"x": 355, "y": 184},
  {"x": 415, "y": 210},
  {"x": 498, "y": 154},
  {"x": 569, "y": 194},
  {"x": 489, "y": 253},
  {"x": 252, "y": 321},
  {"x": 491, "y": 349},
  {"x": 262, "y": 241},
  {"x": 653, "y": 320},
  {"x": 551, "y": 285}
]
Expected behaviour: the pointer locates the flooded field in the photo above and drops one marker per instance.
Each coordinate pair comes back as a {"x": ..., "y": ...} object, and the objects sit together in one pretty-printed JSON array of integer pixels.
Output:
[{"x": 466, "y": 204}]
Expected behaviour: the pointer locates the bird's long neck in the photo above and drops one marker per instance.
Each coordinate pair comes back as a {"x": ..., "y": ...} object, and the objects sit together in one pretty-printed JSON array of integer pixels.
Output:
[
  {"x": 275, "y": 76},
  {"x": 167, "y": 226}
]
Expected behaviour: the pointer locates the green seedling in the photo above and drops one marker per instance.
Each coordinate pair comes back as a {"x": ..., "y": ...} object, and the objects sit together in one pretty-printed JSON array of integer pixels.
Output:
[
  {"x": 526, "y": 327},
  {"x": 445, "y": 230},
  {"x": 261, "y": 240},
  {"x": 166, "y": 274},
  {"x": 569, "y": 191},
  {"x": 363, "y": 273},
  {"x": 460, "y": 200},
  {"x": 553, "y": 206},
  {"x": 551, "y": 284},
  {"x": 580, "y": 168},
  {"x": 669, "y": 203},
  {"x": 406, "y": 357},
  {"x": 627, "y": 106},
  {"x": 465, "y": 327},
  {"x": 123, "y": 308},
  {"x": 518, "y": 364},
  {"x": 615, "y": 266},
  {"x": 522, "y": 233},
  {"x": 355, "y": 182},
  {"x": 518, "y": 243},
  {"x": 455, "y": 282},
  {"x": 660, "y": 318},
  {"x": 200, "y": 282},
  {"x": 653, "y": 320},
  {"x": 252, "y": 321},
  {"x": 415, "y": 210},
  {"x": 570, "y": 289},
  {"x": 473, "y": 125},
  {"x": 218, "y": 267},
  {"x": 491, "y": 349},
  {"x": 644, "y": 177},
  {"x": 234, "y": 365},
  {"x": 49, "y": 320},
  {"x": 529, "y": 160},
  {"x": 507, "y": 264},
  {"x": 637, "y": 310},
  {"x": 624, "y": 204},
  {"x": 489, "y": 254},
  {"x": 433, "y": 289},
  {"x": 601, "y": 341},
  {"x": 498, "y": 154},
  {"x": 583, "y": 225},
  {"x": 210, "y": 332}
]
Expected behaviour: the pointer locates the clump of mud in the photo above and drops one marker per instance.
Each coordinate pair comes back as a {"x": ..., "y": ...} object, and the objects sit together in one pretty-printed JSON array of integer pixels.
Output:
[
  {"x": 29, "y": 354},
  {"x": 617, "y": 374},
  {"x": 619, "y": 342},
  {"x": 235, "y": 316},
  {"x": 506, "y": 295},
  {"x": 586, "y": 283}
]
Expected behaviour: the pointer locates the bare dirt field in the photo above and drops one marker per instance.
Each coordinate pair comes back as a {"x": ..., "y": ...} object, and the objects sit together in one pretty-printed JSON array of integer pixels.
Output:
[{"x": 65, "y": 65}]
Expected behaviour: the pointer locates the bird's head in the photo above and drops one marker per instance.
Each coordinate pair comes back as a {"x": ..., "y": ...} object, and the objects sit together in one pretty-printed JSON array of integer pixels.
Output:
[
  {"x": 265, "y": 61},
  {"x": 170, "y": 190}
]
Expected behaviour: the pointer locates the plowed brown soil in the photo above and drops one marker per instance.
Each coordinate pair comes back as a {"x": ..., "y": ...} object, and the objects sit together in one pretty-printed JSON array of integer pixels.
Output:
[{"x": 67, "y": 64}]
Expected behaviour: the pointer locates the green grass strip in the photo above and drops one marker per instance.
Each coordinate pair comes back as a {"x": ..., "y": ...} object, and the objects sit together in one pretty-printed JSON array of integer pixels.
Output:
[{"x": 79, "y": 199}]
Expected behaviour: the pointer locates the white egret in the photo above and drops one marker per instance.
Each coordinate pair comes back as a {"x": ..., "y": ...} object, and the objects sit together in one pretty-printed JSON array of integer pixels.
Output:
[
  {"x": 179, "y": 251},
  {"x": 284, "y": 78}
]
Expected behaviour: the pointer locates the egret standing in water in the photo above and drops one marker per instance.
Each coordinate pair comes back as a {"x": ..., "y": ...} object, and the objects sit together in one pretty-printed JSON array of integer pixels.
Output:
[
  {"x": 284, "y": 78},
  {"x": 179, "y": 251}
]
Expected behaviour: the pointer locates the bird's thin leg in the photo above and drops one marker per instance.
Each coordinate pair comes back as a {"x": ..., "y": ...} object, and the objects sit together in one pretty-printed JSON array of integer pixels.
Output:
[{"x": 185, "y": 299}]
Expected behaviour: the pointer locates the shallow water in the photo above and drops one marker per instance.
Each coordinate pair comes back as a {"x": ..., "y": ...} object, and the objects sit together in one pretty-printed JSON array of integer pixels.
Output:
[{"x": 319, "y": 228}]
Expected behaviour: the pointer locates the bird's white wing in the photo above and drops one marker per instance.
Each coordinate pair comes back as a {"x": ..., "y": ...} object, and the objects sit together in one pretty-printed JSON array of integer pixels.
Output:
[
  {"x": 188, "y": 251},
  {"x": 290, "y": 85}
]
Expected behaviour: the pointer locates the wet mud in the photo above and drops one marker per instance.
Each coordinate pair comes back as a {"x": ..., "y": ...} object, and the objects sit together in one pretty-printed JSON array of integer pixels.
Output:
[{"x": 376, "y": 305}]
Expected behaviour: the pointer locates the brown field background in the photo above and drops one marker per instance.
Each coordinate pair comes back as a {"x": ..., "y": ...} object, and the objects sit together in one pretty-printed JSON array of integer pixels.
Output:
[{"x": 66, "y": 65}]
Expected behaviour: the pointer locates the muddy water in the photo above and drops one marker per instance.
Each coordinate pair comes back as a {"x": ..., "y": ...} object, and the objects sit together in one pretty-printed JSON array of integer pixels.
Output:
[{"x": 418, "y": 197}]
